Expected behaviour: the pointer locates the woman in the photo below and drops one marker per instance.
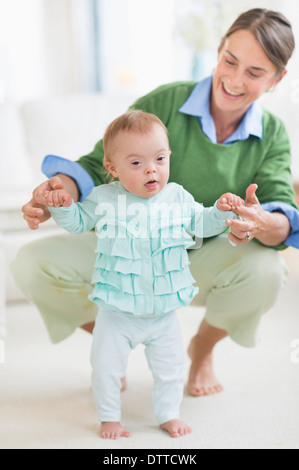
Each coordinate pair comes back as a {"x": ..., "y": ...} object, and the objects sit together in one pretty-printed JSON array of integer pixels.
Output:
[{"x": 221, "y": 140}]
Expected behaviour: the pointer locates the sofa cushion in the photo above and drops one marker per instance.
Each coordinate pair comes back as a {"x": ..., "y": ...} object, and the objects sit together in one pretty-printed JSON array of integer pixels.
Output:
[{"x": 69, "y": 126}]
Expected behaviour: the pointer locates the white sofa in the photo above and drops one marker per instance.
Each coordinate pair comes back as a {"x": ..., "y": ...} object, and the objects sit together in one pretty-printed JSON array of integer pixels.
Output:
[{"x": 67, "y": 126}]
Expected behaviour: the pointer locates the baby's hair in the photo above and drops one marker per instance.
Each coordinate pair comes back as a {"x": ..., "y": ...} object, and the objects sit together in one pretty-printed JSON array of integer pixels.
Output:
[{"x": 133, "y": 121}]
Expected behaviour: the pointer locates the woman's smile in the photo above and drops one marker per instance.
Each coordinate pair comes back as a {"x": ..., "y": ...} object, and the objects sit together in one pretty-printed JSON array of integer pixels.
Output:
[{"x": 229, "y": 93}]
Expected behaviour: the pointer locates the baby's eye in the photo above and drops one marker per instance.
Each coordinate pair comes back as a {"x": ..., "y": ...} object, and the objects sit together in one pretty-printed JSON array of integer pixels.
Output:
[
  {"x": 161, "y": 158},
  {"x": 136, "y": 163}
]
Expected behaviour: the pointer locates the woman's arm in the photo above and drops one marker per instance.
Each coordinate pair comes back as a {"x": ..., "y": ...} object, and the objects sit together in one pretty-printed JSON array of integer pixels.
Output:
[
  {"x": 270, "y": 228},
  {"x": 274, "y": 228},
  {"x": 269, "y": 225}
]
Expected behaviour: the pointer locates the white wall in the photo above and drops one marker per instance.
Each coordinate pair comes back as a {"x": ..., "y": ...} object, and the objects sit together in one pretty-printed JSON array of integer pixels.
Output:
[{"x": 22, "y": 65}]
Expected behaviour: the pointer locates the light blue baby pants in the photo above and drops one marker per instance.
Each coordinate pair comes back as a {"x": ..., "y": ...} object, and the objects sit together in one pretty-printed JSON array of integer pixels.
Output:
[{"x": 114, "y": 336}]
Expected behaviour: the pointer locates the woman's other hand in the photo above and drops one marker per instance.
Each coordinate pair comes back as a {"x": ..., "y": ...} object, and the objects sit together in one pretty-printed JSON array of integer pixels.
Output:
[
  {"x": 269, "y": 228},
  {"x": 252, "y": 219}
]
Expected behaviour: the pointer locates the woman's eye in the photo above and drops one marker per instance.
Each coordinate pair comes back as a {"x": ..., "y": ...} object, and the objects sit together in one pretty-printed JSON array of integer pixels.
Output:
[
  {"x": 253, "y": 75},
  {"x": 229, "y": 62}
]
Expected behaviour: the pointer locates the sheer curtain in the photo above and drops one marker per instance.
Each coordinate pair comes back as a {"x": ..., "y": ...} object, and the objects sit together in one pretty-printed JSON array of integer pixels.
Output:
[
  {"x": 115, "y": 46},
  {"x": 48, "y": 47},
  {"x": 71, "y": 38}
]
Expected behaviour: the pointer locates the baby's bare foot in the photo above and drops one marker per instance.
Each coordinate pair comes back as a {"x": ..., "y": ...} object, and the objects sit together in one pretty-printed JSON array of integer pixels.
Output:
[
  {"x": 113, "y": 430},
  {"x": 176, "y": 428}
]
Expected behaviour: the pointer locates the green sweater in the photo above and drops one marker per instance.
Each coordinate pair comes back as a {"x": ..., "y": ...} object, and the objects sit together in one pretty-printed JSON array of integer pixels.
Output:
[{"x": 208, "y": 170}]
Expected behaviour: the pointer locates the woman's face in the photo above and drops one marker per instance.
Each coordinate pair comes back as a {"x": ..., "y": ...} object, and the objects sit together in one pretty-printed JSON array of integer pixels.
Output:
[{"x": 243, "y": 73}]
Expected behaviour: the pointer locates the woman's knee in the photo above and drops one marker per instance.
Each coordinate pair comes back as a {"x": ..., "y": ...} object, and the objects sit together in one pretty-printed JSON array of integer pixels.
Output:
[
  {"x": 267, "y": 268},
  {"x": 248, "y": 271},
  {"x": 24, "y": 267},
  {"x": 60, "y": 259},
  {"x": 264, "y": 272}
]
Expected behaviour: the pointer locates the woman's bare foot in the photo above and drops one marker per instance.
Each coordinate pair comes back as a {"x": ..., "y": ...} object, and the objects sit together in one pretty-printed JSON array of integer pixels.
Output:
[
  {"x": 176, "y": 428},
  {"x": 113, "y": 430},
  {"x": 88, "y": 327},
  {"x": 123, "y": 384},
  {"x": 202, "y": 380}
]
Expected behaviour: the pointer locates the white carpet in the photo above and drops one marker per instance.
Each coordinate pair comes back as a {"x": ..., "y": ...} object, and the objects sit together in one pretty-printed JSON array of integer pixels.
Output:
[{"x": 46, "y": 400}]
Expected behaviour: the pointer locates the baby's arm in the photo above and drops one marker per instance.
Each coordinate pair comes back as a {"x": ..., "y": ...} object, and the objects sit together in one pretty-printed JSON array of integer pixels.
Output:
[
  {"x": 213, "y": 220},
  {"x": 229, "y": 202},
  {"x": 75, "y": 217},
  {"x": 209, "y": 221}
]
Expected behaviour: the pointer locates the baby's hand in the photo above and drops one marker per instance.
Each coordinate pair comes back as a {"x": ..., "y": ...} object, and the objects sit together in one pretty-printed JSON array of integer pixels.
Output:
[
  {"x": 229, "y": 202},
  {"x": 58, "y": 197}
]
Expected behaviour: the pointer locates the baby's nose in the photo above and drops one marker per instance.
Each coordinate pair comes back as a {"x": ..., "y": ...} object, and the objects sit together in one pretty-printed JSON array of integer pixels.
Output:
[{"x": 150, "y": 168}]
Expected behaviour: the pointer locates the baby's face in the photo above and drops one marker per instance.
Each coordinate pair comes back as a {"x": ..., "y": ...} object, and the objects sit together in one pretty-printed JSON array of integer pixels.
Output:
[{"x": 141, "y": 161}]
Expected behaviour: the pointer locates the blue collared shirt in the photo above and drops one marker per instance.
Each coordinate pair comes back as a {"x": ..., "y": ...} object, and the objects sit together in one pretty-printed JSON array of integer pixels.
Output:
[
  {"x": 198, "y": 104},
  {"x": 52, "y": 165}
]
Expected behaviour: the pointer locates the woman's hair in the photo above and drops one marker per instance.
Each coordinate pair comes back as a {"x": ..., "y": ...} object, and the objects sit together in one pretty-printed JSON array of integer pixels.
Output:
[
  {"x": 271, "y": 29},
  {"x": 133, "y": 121}
]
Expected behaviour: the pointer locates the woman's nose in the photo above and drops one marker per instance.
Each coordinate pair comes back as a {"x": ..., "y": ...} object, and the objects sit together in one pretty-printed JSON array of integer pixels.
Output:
[{"x": 236, "y": 79}]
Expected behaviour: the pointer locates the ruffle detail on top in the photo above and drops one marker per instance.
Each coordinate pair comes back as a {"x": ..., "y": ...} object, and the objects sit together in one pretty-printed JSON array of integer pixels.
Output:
[
  {"x": 169, "y": 283},
  {"x": 142, "y": 304},
  {"x": 170, "y": 259},
  {"x": 117, "y": 264},
  {"x": 145, "y": 275}
]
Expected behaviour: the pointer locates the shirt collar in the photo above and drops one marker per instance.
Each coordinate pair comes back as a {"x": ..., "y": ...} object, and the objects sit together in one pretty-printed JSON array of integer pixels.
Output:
[{"x": 198, "y": 104}]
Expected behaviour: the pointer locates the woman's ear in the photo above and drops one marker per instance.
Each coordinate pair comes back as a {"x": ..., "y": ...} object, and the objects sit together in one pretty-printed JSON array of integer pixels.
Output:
[{"x": 279, "y": 78}]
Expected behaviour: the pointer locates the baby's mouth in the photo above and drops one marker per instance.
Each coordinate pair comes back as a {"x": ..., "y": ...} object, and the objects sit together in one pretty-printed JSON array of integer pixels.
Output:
[{"x": 151, "y": 184}]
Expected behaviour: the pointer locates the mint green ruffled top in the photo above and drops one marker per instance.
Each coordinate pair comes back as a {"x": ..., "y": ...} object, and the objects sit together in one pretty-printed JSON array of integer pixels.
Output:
[{"x": 142, "y": 265}]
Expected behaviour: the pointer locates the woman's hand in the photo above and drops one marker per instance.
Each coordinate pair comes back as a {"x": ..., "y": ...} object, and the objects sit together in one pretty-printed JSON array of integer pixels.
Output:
[
  {"x": 34, "y": 214},
  {"x": 36, "y": 211},
  {"x": 269, "y": 228}
]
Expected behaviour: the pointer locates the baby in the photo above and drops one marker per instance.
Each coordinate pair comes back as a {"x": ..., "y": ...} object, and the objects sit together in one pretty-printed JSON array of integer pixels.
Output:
[{"x": 144, "y": 226}]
